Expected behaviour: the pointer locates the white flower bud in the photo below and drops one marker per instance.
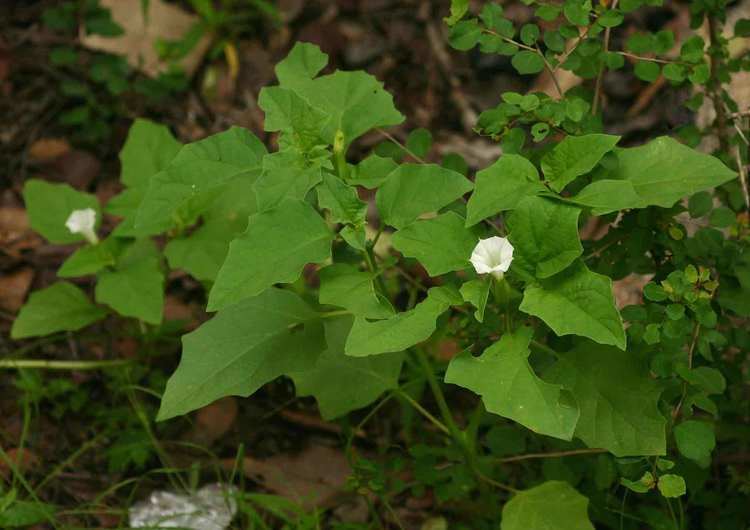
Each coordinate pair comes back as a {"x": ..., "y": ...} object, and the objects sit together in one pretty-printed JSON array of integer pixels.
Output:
[
  {"x": 83, "y": 222},
  {"x": 492, "y": 255}
]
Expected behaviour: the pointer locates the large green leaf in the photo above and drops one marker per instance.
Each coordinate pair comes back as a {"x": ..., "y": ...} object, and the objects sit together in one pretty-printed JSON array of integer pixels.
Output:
[
  {"x": 148, "y": 149},
  {"x": 442, "y": 244},
  {"x": 617, "y": 397},
  {"x": 358, "y": 381},
  {"x": 554, "y": 505},
  {"x": 663, "y": 171},
  {"x": 509, "y": 387},
  {"x": 345, "y": 286},
  {"x": 277, "y": 244},
  {"x": 341, "y": 200},
  {"x": 286, "y": 175},
  {"x": 544, "y": 234},
  {"x": 60, "y": 307},
  {"x": 402, "y": 330},
  {"x": 242, "y": 348},
  {"x": 195, "y": 176},
  {"x": 135, "y": 288},
  {"x": 49, "y": 206},
  {"x": 575, "y": 156},
  {"x": 501, "y": 186},
  {"x": 416, "y": 189},
  {"x": 577, "y": 301}
]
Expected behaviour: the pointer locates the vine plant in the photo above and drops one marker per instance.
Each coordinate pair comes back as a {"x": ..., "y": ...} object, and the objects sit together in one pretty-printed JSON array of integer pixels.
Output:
[{"x": 637, "y": 392}]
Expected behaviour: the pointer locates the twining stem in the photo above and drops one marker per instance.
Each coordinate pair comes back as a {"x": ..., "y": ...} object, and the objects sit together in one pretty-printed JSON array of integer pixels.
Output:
[
  {"x": 691, "y": 350},
  {"x": 714, "y": 83},
  {"x": 600, "y": 75},
  {"x": 423, "y": 411},
  {"x": 17, "y": 364}
]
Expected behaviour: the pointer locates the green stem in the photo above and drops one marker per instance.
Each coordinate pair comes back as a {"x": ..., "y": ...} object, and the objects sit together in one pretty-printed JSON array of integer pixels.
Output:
[
  {"x": 334, "y": 314},
  {"x": 423, "y": 411},
  {"x": 18, "y": 364},
  {"x": 546, "y": 349}
]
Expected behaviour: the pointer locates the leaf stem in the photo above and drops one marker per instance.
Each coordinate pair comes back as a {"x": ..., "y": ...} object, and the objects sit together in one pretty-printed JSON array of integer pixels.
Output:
[
  {"x": 423, "y": 411},
  {"x": 18, "y": 364},
  {"x": 546, "y": 349},
  {"x": 553, "y": 454}
]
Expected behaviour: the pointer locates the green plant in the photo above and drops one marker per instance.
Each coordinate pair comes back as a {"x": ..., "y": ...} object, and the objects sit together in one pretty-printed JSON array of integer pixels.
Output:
[{"x": 529, "y": 306}]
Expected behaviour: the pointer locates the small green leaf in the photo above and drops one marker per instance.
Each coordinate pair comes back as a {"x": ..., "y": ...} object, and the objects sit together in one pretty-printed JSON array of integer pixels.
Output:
[
  {"x": 60, "y": 307},
  {"x": 358, "y": 381},
  {"x": 647, "y": 71},
  {"x": 672, "y": 486},
  {"x": 148, "y": 149},
  {"x": 286, "y": 175},
  {"x": 304, "y": 62},
  {"x": 277, "y": 244},
  {"x": 695, "y": 440},
  {"x": 458, "y": 10},
  {"x": 242, "y": 348},
  {"x": 607, "y": 196},
  {"x": 642, "y": 485},
  {"x": 372, "y": 172},
  {"x": 464, "y": 35},
  {"x": 510, "y": 388},
  {"x": 285, "y": 111},
  {"x": 419, "y": 142},
  {"x": 442, "y": 244},
  {"x": 705, "y": 378},
  {"x": 575, "y": 156},
  {"x": 477, "y": 292},
  {"x": 501, "y": 186},
  {"x": 90, "y": 259},
  {"x": 416, "y": 189},
  {"x": 544, "y": 233},
  {"x": 341, "y": 200},
  {"x": 700, "y": 204},
  {"x": 527, "y": 62},
  {"x": 722, "y": 217},
  {"x": 345, "y": 286},
  {"x": 551, "y": 505},
  {"x": 403, "y": 330},
  {"x": 49, "y": 206},
  {"x": 577, "y": 301},
  {"x": 135, "y": 288}
]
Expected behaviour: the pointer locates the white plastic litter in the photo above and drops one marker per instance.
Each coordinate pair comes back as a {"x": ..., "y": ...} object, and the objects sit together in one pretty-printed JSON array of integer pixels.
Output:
[{"x": 210, "y": 508}]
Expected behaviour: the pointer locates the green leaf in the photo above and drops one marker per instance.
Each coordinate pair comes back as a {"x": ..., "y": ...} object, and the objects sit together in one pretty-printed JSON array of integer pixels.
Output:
[
  {"x": 419, "y": 142},
  {"x": 501, "y": 187},
  {"x": 90, "y": 259},
  {"x": 355, "y": 101},
  {"x": 341, "y": 200},
  {"x": 527, "y": 62},
  {"x": 607, "y": 196},
  {"x": 148, "y": 149},
  {"x": 416, "y": 189},
  {"x": 198, "y": 172},
  {"x": 372, "y": 172},
  {"x": 617, "y": 397},
  {"x": 345, "y": 286},
  {"x": 458, "y": 10},
  {"x": 49, "y": 206},
  {"x": 663, "y": 171},
  {"x": 303, "y": 63},
  {"x": 695, "y": 440},
  {"x": 577, "y": 301},
  {"x": 26, "y": 514},
  {"x": 477, "y": 292},
  {"x": 277, "y": 244},
  {"x": 359, "y": 381},
  {"x": 708, "y": 379},
  {"x": 672, "y": 485},
  {"x": 510, "y": 388},
  {"x": 642, "y": 485},
  {"x": 286, "y": 175},
  {"x": 553, "y": 505},
  {"x": 287, "y": 112},
  {"x": 464, "y": 35},
  {"x": 544, "y": 233},
  {"x": 202, "y": 252},
  {"x": 403, "y": 330},
  {"x": 575, "y": 156},
  {"x": 60, "y": 307},
  {"x": 242, "y": 348},
  {"x": 135, "y": 288},
  {"x": 647, "y": 71},
  {"x": 442, "y": 244}
]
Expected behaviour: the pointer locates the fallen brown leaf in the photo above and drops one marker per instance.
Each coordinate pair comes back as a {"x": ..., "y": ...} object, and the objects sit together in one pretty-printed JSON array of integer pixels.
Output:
[
  {"x": 316, "y": 477},
  {"x": 48, "y": 149},
  {"x": 13, "y": 289},
  {"x": 214, "y": 421}
]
